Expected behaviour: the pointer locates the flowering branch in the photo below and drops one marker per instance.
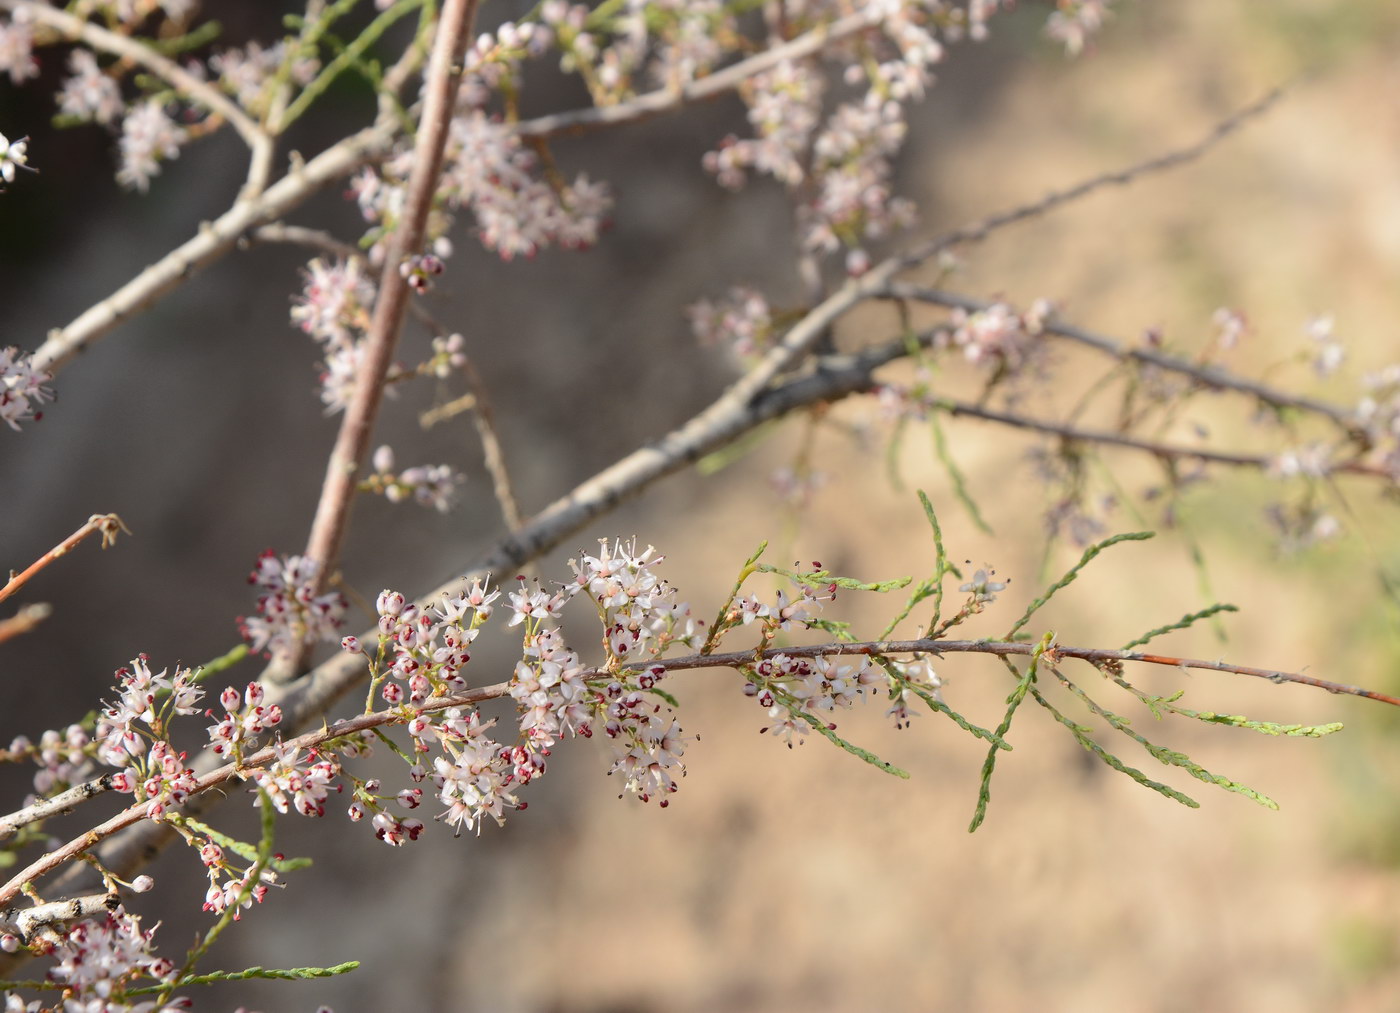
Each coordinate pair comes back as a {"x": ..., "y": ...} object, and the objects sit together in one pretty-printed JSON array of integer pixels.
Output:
[{"x": 739, "y": 659}]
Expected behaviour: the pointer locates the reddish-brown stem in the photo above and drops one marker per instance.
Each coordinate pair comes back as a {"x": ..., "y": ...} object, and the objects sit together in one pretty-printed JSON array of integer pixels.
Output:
[
  {"x": 352, "y": 443},
  {"x": 107, "y": 524}
]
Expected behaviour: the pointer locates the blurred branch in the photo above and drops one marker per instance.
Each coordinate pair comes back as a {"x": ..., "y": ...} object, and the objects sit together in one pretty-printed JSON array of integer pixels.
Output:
[
  {"x": 26, "y": 619},
  {"x": 1055, "y": 199},
  {"x": 213, "y": 240},
  {"x": 801, "y": 337},
  {"x": 710, "y": 86},
  {"x": 1212, "y": 377},
  {"x": 1153, "y": 447}
]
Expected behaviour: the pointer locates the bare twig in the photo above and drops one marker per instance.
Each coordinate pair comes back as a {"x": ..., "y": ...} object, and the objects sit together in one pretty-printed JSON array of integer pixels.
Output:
[
  {"x": 106, "y": 524},
  {"x": 1153, "y": 447},
  {"x": 300, "y": 235},
  {"x": 1055, "y": 199}
]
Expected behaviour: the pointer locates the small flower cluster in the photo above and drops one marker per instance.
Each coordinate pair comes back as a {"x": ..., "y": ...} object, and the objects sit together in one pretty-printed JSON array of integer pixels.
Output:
[
  {"x": 1328, "y": 352},
  {"x": 99, "y": 959},
  {"x": 149, "y": 137},
  {"x": 998, "y": 335},
  {"x": 488, "y": 170},
  {"x": 289, "y": 611},
  {"x": 426, "y": 648},
  {"x": 741, "y": 321},
  {"x": 21, "y": 385},
  {"x": 17, "y": 47},
  {"x": 64, "y": 758},
  {"x": 146, "y": 698},
  {"x": 786, "y": 612},
  {"x": 794, "y": 689},
  {"x": 639, "y": 610},
  {"x": 474, "y": 776},
  {"x": 244, "y": 719},
  {"x": 1378, "y": 413},
  {"x": 647, "y": 739},
  {"x": 1075, "y": 21},
  {"x": 247, "y": 73},
  {"x": 230, "y": 888},
  {"x": 334, "y": 308},
  {"x": 133, "y": 735},
  {"x": 433, "y": 485},
  {"x": 309, "y": 785},
  {"x": 89, "y": 94},
  {"x": 1232, "y": 327}
]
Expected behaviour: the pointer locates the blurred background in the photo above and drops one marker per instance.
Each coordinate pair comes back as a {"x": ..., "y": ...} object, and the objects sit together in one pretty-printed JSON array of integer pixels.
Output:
[{"x": 783, "y": 880}]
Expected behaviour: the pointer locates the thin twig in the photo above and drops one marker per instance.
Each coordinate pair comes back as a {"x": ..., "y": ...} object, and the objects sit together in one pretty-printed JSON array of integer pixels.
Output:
[
  {"x": 478, "y": 401},
  {"x": 1212, "y": 377},
  {"x": 1155, "y": 447},
  {"x": 980, "y": 230},
  {"x": 1004, "y": 648},
  {"x": 106, "y": 524}
]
